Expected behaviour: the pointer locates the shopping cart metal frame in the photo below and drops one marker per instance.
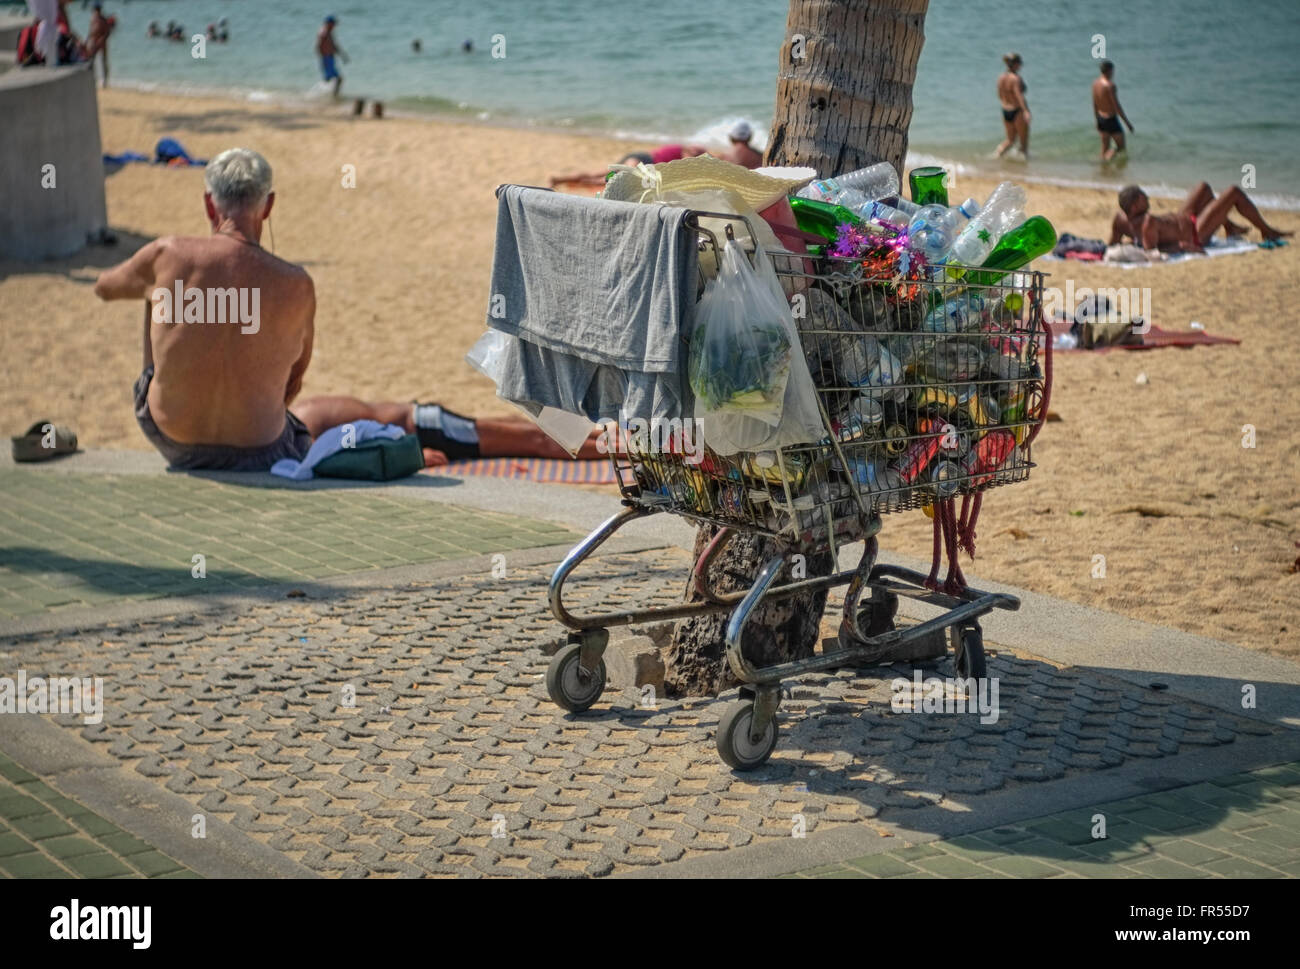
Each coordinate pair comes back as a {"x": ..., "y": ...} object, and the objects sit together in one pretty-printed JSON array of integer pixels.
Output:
[{"x": 747, "y": 732}]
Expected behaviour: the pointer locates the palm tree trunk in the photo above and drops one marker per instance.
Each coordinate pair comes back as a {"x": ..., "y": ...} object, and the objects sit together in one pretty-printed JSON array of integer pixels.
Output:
[
  {"x": 844, "y": 85},
  {"x": 843, "y": 101}
]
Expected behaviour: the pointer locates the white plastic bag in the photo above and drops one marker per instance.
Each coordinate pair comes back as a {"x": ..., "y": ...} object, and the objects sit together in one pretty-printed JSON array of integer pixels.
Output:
[
  {"x": 753, "y": 391},
  {"x": 487, "y": 356}
]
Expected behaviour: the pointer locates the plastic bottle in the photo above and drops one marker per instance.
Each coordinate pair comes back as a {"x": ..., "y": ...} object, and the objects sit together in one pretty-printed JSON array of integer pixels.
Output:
[
  {"x": 876, "y": 211},
  {"x": 878, "y": 181},
  {"x": 829, "y": 190},
  {"x": 1004, "y": 210},
  {"x": 934, "y": 228}
]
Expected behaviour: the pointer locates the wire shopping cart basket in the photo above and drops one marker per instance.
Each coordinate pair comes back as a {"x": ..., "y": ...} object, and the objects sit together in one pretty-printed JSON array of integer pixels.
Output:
[{"x": 929, "y": 391}]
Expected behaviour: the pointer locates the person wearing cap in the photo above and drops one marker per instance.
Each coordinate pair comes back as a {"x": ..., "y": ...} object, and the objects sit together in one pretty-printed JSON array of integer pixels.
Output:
[
  {"x": 327, "y": 48},
  {"x": 739, "y": 152}
]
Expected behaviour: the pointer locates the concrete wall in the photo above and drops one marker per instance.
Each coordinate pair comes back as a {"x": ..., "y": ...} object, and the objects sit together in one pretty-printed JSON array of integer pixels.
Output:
[{"x": 51, "y": 117}]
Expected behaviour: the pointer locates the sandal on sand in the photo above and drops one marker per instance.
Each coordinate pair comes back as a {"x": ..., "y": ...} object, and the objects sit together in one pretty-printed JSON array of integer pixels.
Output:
[{"x": 44, "y": 441}]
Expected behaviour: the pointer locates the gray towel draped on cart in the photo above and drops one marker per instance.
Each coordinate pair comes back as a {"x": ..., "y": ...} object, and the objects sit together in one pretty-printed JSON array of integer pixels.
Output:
[{"x": 598, "y": 294}]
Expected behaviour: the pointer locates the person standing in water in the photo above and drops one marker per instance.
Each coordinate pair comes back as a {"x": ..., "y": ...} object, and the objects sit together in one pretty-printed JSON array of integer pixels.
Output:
[
  {"x": 1105, "y": 105},
  {"x": 327, "y": 48},
  {"x": 97, "y": 41},
  {"x": 1015, "y": 112}
]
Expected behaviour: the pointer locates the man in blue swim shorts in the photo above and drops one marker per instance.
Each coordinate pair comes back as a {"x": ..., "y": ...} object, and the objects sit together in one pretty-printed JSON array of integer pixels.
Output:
[{"x": 327, "y": 48}]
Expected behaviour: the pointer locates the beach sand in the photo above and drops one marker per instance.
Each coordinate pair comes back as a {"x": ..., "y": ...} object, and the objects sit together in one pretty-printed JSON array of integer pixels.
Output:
[{"x": 1197, "y": 531}]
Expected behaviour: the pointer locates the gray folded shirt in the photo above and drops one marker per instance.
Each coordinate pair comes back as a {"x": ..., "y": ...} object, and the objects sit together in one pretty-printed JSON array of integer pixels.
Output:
[{"x": 598, "y": 294}]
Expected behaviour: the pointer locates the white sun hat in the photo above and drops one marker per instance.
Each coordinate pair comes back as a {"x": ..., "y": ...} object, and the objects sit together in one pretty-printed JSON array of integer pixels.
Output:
[{"x": 758, "y": 188}]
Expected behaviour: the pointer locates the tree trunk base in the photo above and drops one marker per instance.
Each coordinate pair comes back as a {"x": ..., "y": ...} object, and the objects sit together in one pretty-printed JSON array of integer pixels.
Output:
[{"x": 779, "y": 630}]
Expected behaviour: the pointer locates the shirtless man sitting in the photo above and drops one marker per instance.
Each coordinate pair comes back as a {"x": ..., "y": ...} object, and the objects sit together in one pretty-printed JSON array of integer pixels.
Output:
[
  {"x": 223, "y": 364},
  {"x": 738, "y": 152},
  {"x": 1188, "y": 229}
]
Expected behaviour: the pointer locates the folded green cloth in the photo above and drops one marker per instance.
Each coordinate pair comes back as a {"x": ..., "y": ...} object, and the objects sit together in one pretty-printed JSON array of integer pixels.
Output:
[{"x": 378, "y": 459}]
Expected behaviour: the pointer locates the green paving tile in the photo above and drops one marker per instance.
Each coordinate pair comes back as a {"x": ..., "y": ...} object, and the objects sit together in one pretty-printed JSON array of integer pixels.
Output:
[
  {"x": 1023, "y": 867},
  {"x": 94, "y": 824},
  {"x": 11, "y": 844},
  {"x": 1070, "y": 832},
  {"x": 152, "y": 863},
  {"x": 68, "y": 846},
  {"x": 99, "y": 865},
  {"x": 915, "y": 853},
  {"x": 1005, "y": 836},
  {"x": 1240, "y": 868},
  {"x": 1188, "y": 852},
  {"x": 1111, "y": 850},
  {"x": 124, "y": 844},
  {"x": 882, "y": 866},
  {"x": 15, "y": 805},
  {"x": 38, "y": 826},
  {"x": 1162, "y": 820},
  {"x": 1282, "y": 839},
  {"x": 949, "y": 866},
  {"x": 1089, "y": 869},
  {"x": 38, "y": 788},
  {"x": 33, "y": 864},
  {"x": 1164, "y": 868}
]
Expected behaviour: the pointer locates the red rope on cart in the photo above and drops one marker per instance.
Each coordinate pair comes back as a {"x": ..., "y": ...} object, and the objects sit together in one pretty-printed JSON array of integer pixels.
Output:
[
  {"x": 966, "y": 528},
  {"x": 955, "y": 583},
  {"x": 1047, "y": 375},
  {"x": 932, "y": 581}
]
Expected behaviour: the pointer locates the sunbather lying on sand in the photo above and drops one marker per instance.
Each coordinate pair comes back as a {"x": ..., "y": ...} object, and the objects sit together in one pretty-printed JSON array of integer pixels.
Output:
[
  {"x": 664, "y": 153},
  {"x": 1192, "y": 226},
  {"x": 228, "y": 337}
]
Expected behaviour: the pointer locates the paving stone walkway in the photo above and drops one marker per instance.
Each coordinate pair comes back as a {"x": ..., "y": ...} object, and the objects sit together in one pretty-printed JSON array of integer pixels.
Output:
[
  {"x": 44, "y": 834},
  {"x": 407, "y": 731},
  {"x": 76, "y": 540},
  {"x": 1241, "y": 826}
]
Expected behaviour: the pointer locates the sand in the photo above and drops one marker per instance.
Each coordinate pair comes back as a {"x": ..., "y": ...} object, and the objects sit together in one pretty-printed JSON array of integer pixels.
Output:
[{"x": 1197, "y": 531}]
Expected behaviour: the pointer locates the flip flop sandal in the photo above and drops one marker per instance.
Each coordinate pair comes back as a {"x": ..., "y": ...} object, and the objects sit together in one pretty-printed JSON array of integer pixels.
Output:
[{"x": 44, "y": 441}]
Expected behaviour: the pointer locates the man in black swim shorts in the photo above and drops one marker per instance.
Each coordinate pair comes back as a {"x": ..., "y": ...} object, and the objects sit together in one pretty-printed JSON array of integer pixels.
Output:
[{"x": 1106, "y": 108}]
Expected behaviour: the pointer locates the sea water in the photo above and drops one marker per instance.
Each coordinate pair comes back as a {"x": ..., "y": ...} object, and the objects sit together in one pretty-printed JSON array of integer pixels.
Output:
[{"x": 1210, "y": 86}]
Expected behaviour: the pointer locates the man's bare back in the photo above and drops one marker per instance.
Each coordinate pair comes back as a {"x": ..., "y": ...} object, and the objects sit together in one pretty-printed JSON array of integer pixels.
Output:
[
  {"x": 220, "y": 382},
  {"x": 1103, "y": 98}
]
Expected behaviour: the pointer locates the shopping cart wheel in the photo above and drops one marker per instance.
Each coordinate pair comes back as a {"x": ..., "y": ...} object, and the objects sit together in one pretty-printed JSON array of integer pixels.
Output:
[
  {"x": 737, "y": 746},
  {"x": 968, "y": 652},
  {"x": 570, "y": 686}
]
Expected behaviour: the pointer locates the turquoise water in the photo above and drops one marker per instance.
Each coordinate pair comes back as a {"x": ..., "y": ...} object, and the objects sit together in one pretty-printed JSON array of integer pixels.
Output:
[{"x": 1211, "y": 86}]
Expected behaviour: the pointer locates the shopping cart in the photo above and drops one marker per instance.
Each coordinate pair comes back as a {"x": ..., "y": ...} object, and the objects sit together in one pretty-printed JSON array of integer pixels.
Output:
[{"x": 928, "y": 390}]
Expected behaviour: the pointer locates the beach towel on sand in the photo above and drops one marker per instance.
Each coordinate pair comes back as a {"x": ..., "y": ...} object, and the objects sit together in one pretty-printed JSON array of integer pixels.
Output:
[{"x": 598, "y": 295}]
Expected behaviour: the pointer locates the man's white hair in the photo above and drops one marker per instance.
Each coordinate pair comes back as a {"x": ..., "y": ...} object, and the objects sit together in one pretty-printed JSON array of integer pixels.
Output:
[{"x": 239, "y": 180}]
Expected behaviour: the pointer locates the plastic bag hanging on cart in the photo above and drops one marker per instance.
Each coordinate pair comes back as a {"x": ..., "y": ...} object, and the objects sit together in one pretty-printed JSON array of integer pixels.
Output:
[
  {"x": 566, "y": 429},
  {"x": 753, "y": 391}
]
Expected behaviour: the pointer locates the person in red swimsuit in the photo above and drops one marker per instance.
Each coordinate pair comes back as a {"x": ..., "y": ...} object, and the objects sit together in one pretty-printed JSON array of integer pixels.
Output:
[
  {"x": 1187, "y": 230},
  {"x": 664, "y": 153}
]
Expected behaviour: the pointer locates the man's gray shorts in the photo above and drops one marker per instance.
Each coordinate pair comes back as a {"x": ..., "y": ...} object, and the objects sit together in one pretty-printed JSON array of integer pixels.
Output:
[{"x": 293, "y": 442}]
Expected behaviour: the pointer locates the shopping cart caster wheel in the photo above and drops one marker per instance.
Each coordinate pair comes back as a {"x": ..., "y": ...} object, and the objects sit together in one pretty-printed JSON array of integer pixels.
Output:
[
  {"x": 968, "y": 652},
  {"x": 571, "y": 687},
  {"x": 736, "y": 746}
]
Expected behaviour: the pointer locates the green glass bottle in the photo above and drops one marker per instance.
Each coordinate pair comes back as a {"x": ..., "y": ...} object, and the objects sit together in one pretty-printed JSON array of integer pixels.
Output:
[
  {"x": 1032, "y": 238},
  {"x": 821, "y": 218},
  {"x": 929, "y": 186}
]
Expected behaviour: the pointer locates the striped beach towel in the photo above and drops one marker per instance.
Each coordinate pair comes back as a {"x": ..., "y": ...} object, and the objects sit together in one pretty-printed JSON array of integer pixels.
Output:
[{"x": 544, "y": 470}]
